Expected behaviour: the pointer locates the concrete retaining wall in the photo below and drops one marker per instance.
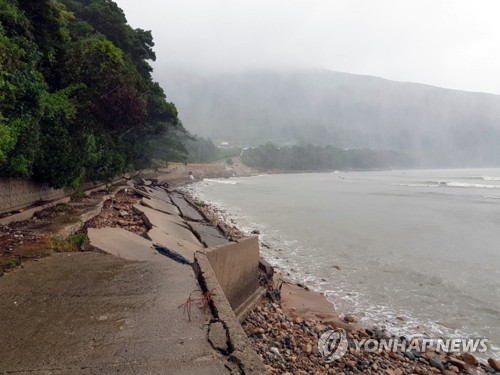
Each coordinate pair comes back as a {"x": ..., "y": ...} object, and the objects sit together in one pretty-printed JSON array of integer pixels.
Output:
[
  {"x": 236, "y": 267},
  {"x": 18, "y": 193},
  {"x": 240, "y": 349}
]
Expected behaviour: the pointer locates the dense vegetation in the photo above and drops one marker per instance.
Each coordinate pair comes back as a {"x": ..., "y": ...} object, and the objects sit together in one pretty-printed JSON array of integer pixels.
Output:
[
  {"x": 320, "y": 158},
  {"x": 203, "y": 150},
  {"x": 77, "y": 101}
]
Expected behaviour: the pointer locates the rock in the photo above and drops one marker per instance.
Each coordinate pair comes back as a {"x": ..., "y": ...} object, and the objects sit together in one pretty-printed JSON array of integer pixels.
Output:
[
  {"x": 436, "y": 362},
  {"x": 267, "y": 269},
  {"x": 123, "y": 213},
  {"x": 429, "y": 354},
  {"x": 398, "y": 371},
  {"x": 336, "y": 267},
  {"x": 469, "y": 359},
  {"x": 308, "y": 349},
  {"x": 456, "y": 362},
  {"x": 350, "y": 319},
  {"x": 409, "y": 355},
  {"x": 494, "y": 363},
  {"x": 351, "y": 364},
  {"x": 255, "y": 231},
  {"x": 275, "y": 350}
]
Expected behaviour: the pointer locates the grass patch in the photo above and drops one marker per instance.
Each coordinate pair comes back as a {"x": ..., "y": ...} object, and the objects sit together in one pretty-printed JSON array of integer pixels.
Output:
[
  {"x": 11, "y": 264},
  {"x": 77, "y": 239},
  {"x": 200, "y": 204},
  {"x": 48, "y": 253},
  {"x": 62, "y": 207},
  {"x": 69, "y": 244},
  {"x": 62, "y": 245}
]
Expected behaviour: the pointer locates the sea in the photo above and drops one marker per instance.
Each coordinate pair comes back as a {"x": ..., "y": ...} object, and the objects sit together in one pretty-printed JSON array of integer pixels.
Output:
[{"x": 416, "y": 252}]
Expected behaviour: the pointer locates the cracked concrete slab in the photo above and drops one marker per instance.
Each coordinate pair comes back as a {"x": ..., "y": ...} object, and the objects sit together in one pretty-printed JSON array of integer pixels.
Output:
[
  {"x": 209, "y": 235},
  {"x": 158, "y": 193},
  {"x": 123, "y": 244},
  {"x": 187, "y": 211},
  {"x": 159, "y": 205},
  {"x": 180, "y": 246},
  {"x": 92, "y": 313},
  {"x": 169, "y": 224},
  {"x": 155, "y": 218}
]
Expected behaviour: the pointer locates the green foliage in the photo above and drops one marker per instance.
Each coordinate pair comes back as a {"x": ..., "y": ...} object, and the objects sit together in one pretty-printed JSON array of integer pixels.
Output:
[
  {"x": 317, "y": 158},
  {"x": 200, "y": 204},
  {"x": 77, "y": 101},
  {"x": 7, "y": 139},
  {"x": 12, "y": 264},
  {"x": 77, "y": 239},
  {"x": 62, "y": 245},
  {"x": 171, "y": 147},
  {"x": 201, "y": 150},
  {"x": 71, "y": 243}
]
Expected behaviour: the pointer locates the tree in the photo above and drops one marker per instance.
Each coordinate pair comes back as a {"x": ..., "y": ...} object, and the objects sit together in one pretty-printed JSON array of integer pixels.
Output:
[{"x": 77, "y": 101}]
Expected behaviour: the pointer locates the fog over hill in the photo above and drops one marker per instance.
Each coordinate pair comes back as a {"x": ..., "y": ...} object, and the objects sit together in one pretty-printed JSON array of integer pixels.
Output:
[{"x": 437, "y": 127}]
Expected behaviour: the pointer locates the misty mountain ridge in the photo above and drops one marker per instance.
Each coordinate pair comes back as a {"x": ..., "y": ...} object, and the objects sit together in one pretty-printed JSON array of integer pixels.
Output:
[{"x": 437, "y": 127}]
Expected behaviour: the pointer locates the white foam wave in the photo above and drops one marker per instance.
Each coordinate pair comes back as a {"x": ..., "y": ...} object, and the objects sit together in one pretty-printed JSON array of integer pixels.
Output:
[
  {"x": 419, "y": 185},
  {"x": 220, "y": 181},
  {"x": 465, "y": 185},
  {"x": 452, "y": 184},
  {"x": 488, "y": 178}
]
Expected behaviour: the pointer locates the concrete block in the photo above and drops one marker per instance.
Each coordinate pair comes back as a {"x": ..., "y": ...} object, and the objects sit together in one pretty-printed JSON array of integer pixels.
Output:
[
  {"x": 240, "y": 347},
  {"x": 156, "y": 218},
  {"x": 187, "y": 211},
  {"x": 169, "y": 224},
  {"x": 160, "y": 205},
  {"x": 159, "y": 194},
  {"x": 180, "y": 246},
  {"x": 236, "y": 267},
  {"x": 209, "y": 235},
  {"x": 123, "y": 244}
]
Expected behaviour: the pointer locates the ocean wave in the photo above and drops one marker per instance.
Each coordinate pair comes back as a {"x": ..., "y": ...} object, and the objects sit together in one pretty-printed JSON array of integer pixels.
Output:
[
  {"x": 452, "y": 184},
  {"x": 465, "y": 185},
  {"x": 488, "y": 178},
  {"x": 220, "y": 181},
  {"x": 419, "y": 185}
]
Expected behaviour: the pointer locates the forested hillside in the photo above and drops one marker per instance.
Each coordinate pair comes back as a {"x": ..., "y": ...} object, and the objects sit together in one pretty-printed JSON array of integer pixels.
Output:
[
  {"x": 77, "y": 101},
  {"x": 321, "y": 158},
  {"x": 434, "y": 126}
]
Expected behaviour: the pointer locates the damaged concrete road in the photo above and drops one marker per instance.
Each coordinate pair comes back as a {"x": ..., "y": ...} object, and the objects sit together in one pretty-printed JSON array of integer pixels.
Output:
[
  {"x": 132, "y": 307},
  {"x": 91, "y": 313}
]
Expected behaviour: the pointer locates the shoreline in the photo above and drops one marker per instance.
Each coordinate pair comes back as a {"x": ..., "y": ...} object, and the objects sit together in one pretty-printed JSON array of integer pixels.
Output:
[{"x": 298, "y": 303}]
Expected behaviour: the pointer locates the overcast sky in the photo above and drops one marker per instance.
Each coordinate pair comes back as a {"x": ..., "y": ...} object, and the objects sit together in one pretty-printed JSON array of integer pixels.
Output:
[{"x": 448, "y": 43}]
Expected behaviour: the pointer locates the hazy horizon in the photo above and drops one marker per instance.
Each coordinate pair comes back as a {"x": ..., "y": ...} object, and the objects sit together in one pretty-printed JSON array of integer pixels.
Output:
[{"x": 449, "y": 44}]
